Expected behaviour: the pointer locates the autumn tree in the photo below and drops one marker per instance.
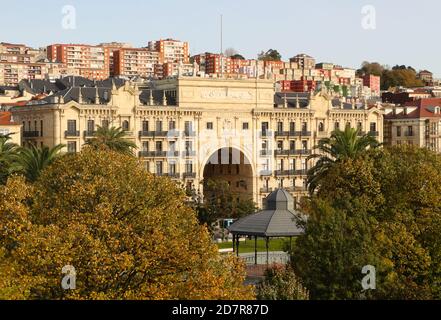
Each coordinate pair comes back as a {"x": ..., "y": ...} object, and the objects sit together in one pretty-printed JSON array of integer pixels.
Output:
[
  {"x": 127, "y": 233},
  {"x": 382, "y": 208}
]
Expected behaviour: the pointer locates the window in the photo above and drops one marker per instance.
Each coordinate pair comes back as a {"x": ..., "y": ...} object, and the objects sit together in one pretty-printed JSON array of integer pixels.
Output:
[
  {"x": 158, "y": 146},
  {"x": 264, "y": 127},
  {"x": 359, "y": 126},
  {"x": 172, "y": 146},
  {"x": 245, "y": 126},
  {"x": 264, "y": 145},
  {"x": 398, "y": 131},
  {"x": 71, "y": 126},
  {"x": 410, "y": 131},
  {"x": 280, "y": 145},
  {"x": 188, "y": 146},
  {"x": 292, "y": 127},
  {"x": 145, "y": 126},
  {"x": 292, "y": 164},
  {"x": 105, "y": 123},
  {"x": 172, "y": 125},
  {"x": 125, "y": 125},
  {"x": 159, "y": 167},
  {"x": 304, "y": 126},
  {"x": 321, "y": 127},
  {"x": 279, "y": 126},
  {"x": 90, "y": 126},
  {"x": 145, "y": 146},
  {"x": 337, "y": 126},
  {"x": 158, "y": 126},
  {"x": 373, "y": 127},
  {"x": 41, "y": 128},
  {"x": 188, "y": 167},
  {"x": 292, "y": 145},
  {"x": 71, "y": 147},
  {"x": 348, "y": 125},
  {"x": 209, "y": 125},
  {"x": 172, "y": 168},
  {"x": 305, "y": 145},
  {"x": 188, "y": 126}
]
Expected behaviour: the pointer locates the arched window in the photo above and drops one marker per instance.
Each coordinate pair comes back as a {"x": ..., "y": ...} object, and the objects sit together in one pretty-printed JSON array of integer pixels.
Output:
[{"x": 125, "y": 125}]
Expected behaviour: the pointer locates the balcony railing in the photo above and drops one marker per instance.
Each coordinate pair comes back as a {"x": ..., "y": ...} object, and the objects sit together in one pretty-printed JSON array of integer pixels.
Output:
[
  {"x": 303, "y": 172},
  {"x": 152, "y": 154},
  {"x": 292, "y": 152},
  {"x": 188, "y": 133},
  {"x": 296, "y": 189},
  {"x": 266, "y": 173},
  {"x": 153, "y": 133},
  {"x": 281, "y": 133},
  {"x": 265, "y": 152},
  {"x": 285, "y": 172},
  {"x": 89, "y": 134},
  {"x": 68, "y": 133},
  {"x": 188, "y": 175},
  {"x": 31, "y": 134},
  {"x": 189, "y": 153},
  {"x": 266, "y": 190}
]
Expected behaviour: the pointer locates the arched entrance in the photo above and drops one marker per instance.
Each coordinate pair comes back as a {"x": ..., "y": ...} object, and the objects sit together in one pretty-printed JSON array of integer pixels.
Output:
[{"x": 231, "y": 166}]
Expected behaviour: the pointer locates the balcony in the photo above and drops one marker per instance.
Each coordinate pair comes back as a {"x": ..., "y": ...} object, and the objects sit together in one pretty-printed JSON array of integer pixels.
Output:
[
  {"x": 292, "y": 152},
  {"x": 265, "y": 152},
  {"x": 266, "y": 190},
  {"x": 266, "y": 173},
  {"x": 160, "y": 154},
  {"x": 172, "y": 153},
  {"x": 88, "y": 134},
  {"x": 189, "y": 153},
  {"x": 265, "y": 134},
  {"x": 281, "y": 133},
  {"x": 31, "y": 134},
  {"x": 279, "y": 173},
  {"x": 302, "y": 133},
  {"x": 189, "y": 133},
  {"x": 297, "y": 189},
  {"x": 70, "y": 134},
  {"x": 303, "y": 172},
  {"x": 189, "y": 175},
  {"x": 159, "y": 134}
]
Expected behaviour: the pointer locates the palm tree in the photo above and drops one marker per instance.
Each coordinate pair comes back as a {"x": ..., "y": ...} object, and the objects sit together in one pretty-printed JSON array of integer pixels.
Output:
[
  {"x": 112, "y": 138},
  {"x": 8, "y": 153},
  {"x": 341, "y": 145},
  {"x": 33, "y": 160}
]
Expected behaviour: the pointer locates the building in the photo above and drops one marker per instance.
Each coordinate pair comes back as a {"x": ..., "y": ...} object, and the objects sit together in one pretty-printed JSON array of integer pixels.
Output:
[
  {"x": 9, "y": 126},
  {"x": 372, "y": 82},
  {"x": 170, "y": 50},
  {"x": 303, "y": 61},
  {"x": 426, "y": 76},
  {"x": 91, "y": 61},
  {"x": 131, "y": 62},
  {"x": 12, "y": 72},
  {"x": 415, "y": 123},
  {"x": 194, "y": 129},
  {"x": 112, "y": 47}
]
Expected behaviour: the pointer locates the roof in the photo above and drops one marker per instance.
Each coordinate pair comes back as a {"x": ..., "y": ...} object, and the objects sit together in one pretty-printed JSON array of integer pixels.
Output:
[
  {"x": 279, "y": 219},
  {"x": 5, "y": 119},
  {"x": 425, "y": 108}
]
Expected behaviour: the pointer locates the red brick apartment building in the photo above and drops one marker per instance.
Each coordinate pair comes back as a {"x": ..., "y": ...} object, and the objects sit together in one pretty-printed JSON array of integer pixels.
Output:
[
  {"x": 373, "y": 82},
  {"x": 135, "y": 62},
  {"x": 91, "y": 61},
  {"x": 171, "y": 50}
]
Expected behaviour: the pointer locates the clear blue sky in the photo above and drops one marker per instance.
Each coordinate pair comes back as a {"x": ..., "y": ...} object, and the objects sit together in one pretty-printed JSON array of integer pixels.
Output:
[{"x": 406, "y": 31}]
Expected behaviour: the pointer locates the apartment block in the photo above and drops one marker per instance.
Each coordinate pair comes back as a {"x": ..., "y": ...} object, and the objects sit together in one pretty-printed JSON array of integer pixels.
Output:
[
  {"x": 91, "y": 61},
  {"x": 12, "y": 73},
  {"x": 372, "y": 82},
  {"x": 171, "y": 50},
  {"x": 135, "y": 62}
]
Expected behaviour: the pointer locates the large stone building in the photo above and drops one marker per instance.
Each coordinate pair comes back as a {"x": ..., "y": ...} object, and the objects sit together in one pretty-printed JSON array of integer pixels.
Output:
[{"x": 193, "y": 129}]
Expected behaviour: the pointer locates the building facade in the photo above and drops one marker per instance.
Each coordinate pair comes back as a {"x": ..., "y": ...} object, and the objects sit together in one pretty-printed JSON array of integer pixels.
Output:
[
  {"x": 195, "y": 129},
  {"x": 9, "y": 126}
]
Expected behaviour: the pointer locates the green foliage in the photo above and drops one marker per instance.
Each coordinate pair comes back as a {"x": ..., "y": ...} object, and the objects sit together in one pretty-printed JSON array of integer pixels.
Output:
[
  {"x": 238, "y": 56},
  {"x": 33, "y": 160},
  {"x": 397, "y": 76},
  {"x": 382, "y": 208},
  {"x": 8, "y": 156},
  {"x": 102, "y": 213},
  {"x": 221, "y": 203},
  {"x": 341, "y": 145},
  {"x": 270, "y": 55},
  {"x": 112, "y": 138},
  {"x": 281, "y": 283}
]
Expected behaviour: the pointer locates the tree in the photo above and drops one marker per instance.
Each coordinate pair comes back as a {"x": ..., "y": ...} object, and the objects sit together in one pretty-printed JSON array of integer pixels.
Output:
[
  {"x": 341, "y": 145},
  {"x": 33, "y": 160},
  {"x": 281, "y": 283},
  {"x": 270, "y": 55},
  {"x": 127, "y": 233},
  {"x": 230, "y": 52},
  {"x": 8, "y": 156},
  {"x": 367, "y": 212},
  {"x": 221, "y": 203},
  {"x": 238, "y": 56},
  {"x": 113, "y": 139}
]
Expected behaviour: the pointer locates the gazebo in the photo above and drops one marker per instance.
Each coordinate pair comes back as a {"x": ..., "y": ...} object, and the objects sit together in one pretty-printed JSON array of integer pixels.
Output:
[{"x": 278, "y": 219}]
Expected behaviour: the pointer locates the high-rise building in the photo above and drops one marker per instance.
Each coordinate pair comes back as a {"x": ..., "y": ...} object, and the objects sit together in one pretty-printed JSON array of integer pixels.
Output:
[
  {"x": 91, "y": 61},
  {"x": 131, "y": 62},
  {"x": 171, "y": 50},
  {"x": 112, "y": 47}
]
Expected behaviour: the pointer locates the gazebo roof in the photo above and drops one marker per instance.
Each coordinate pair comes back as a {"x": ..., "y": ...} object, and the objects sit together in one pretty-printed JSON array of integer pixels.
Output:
[{"x": 279, "y": 219}]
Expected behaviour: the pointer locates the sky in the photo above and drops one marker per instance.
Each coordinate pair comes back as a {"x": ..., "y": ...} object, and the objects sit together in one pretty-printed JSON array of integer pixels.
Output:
[{"x": 402, "y": 32}]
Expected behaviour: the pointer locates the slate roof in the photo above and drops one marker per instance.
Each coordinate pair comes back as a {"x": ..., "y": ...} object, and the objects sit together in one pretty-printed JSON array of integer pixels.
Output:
[{"x": 279, "y": 219}]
